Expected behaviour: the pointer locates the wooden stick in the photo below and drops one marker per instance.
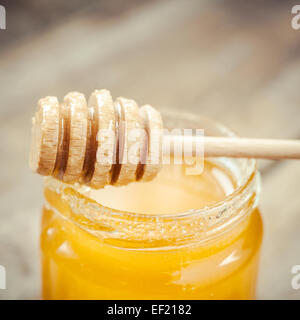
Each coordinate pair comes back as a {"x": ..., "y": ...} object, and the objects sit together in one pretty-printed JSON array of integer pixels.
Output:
[
  {"x": 235, "y": 147},
  {"x": 71, "y": 141}
]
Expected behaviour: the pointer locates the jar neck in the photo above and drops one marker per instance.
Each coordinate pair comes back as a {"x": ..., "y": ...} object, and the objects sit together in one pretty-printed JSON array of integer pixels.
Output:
[
  {"x": 155, "y": 232},
  {"x": 140, "y": 231}
]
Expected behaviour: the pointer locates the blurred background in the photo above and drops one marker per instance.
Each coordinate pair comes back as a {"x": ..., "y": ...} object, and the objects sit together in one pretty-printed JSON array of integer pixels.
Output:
[{"x": 235, "y": 61}]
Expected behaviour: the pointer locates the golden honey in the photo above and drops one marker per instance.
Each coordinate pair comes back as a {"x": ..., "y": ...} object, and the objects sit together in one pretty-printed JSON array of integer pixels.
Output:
[
  {"x": 87, "y": 256},
  {"x": 177, "y": 237}
]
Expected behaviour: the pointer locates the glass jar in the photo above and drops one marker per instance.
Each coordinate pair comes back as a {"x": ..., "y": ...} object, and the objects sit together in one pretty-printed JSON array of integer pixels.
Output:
[{"x": 94, "y": 250}]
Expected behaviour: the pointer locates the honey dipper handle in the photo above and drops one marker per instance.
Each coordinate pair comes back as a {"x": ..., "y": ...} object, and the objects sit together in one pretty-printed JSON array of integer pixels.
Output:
[{"x": 235, "y": 147}]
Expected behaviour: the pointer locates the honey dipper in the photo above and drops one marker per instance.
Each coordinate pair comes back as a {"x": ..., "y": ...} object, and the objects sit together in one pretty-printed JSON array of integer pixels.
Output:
[{"x": 80, "y": 141}]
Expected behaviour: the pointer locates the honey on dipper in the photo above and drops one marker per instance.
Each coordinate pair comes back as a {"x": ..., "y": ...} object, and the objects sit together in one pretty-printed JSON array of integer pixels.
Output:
[{"x": 139, "y": 229}]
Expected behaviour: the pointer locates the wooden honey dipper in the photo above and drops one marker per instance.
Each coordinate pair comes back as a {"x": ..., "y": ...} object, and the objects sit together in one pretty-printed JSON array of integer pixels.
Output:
[{"x": 85, "y": 142}]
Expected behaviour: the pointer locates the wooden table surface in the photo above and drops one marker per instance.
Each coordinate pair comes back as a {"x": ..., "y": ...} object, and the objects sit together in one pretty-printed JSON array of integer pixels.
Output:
[{"x": 235, "y": 61}]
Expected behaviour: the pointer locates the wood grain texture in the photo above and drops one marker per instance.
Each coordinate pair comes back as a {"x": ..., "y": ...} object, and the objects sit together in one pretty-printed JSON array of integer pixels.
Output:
[
  {"x": 237, "y": 147},
  {"x": 238, "y": 63}
]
